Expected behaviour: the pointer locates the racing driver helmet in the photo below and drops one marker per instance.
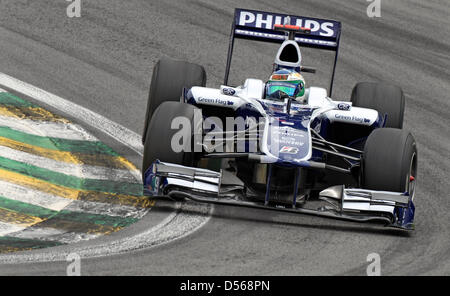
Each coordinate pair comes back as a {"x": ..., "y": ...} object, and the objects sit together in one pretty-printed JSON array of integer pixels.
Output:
[{"x": 286, "y": 83}]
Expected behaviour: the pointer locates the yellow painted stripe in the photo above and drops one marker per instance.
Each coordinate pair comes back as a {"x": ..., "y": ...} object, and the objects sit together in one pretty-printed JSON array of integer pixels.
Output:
[
  {"x": 117, "y": 162},
  {"x": 120, "y": 199},
  {"x": 11, "y": 217},
  {"x": 79, "y": 227},
  {"x": 8, "y": 249},
  {"x": 63, "y": 156},
  {"x": 75, "y": 194},
  {"x": 33, "y": 113},
  {"x": 37, "y": 184}
]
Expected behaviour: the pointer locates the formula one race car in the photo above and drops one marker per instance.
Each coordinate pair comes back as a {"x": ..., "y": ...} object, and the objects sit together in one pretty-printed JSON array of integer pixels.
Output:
[{"x": 280, "y": 145}]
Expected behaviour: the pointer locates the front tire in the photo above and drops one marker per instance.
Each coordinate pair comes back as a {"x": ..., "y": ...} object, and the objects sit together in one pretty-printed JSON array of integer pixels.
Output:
[
  {"x": 390, "y": 161},
  {"x": 160, "y": 134}
]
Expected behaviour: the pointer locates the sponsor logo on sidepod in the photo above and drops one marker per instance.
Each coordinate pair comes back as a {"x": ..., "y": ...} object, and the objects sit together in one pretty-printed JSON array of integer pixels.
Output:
[
  {"x": 215, "y": 101},
  {"x": 228, "y": 91},
  {"x": 352, "y": 118},
  {"x": 344, "y": 107}
]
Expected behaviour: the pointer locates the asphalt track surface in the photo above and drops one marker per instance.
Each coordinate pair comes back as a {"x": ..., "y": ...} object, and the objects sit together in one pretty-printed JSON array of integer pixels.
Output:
[{"x": 103, "y": 61}]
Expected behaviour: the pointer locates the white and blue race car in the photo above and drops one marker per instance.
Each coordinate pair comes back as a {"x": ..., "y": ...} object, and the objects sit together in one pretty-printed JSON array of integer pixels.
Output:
[{"x": 262, "y": 145}]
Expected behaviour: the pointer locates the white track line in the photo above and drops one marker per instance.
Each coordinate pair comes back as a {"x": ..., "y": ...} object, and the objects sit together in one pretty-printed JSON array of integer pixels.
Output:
[
  {"x": 111, "y": 128},
  {"x": 115, "y": 210},
  {"x": 70, "y": 169},
  {"x": 49, "y": 129},
  {"x": 38, "y": 198},
  {"x": 173, "y": 227},
  {"x": 6, "y": 228},
  {"x": 52, "y": 234}
]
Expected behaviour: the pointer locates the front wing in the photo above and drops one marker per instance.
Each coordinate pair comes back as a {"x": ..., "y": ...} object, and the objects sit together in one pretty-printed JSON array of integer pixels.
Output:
[{"x": 392, "y": 209}]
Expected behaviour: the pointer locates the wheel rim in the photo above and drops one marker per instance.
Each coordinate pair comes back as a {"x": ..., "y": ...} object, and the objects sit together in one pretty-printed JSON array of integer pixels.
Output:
[{"x": 411, "y": 176}]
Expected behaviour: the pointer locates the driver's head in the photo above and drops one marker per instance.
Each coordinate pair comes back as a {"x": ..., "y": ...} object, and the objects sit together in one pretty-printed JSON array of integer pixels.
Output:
[{"x": 286, "y": 83}]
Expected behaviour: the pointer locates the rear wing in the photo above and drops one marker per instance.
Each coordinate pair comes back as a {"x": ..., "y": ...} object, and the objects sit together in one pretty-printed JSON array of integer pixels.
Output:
[{"x": 259, "y": 26}]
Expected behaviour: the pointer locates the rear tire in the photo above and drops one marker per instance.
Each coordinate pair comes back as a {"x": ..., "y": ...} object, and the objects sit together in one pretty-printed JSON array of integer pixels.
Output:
[
  {"x": 160, "y": 134},
  {"x": 383, "y": 97},
  {"x": 169, "y": 78},
  {"x": 389, "y": 160}
]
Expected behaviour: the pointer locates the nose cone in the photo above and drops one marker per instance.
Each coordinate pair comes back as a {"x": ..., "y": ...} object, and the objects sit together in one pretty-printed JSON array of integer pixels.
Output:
[{"x": 289, "y": 140}]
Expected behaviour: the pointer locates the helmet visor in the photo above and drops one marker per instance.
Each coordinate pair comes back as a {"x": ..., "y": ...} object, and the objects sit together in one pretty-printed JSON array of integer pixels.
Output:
[{"x": 288, "y": 88}]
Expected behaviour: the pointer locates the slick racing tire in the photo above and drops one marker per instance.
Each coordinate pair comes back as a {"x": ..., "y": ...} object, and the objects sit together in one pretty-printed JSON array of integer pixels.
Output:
[
  {"x": 160, "y": 135},
  {"x": 390, "y": 161},
  {"x": 386, "y": 98},
  {"x": 168, "y": 80}
]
